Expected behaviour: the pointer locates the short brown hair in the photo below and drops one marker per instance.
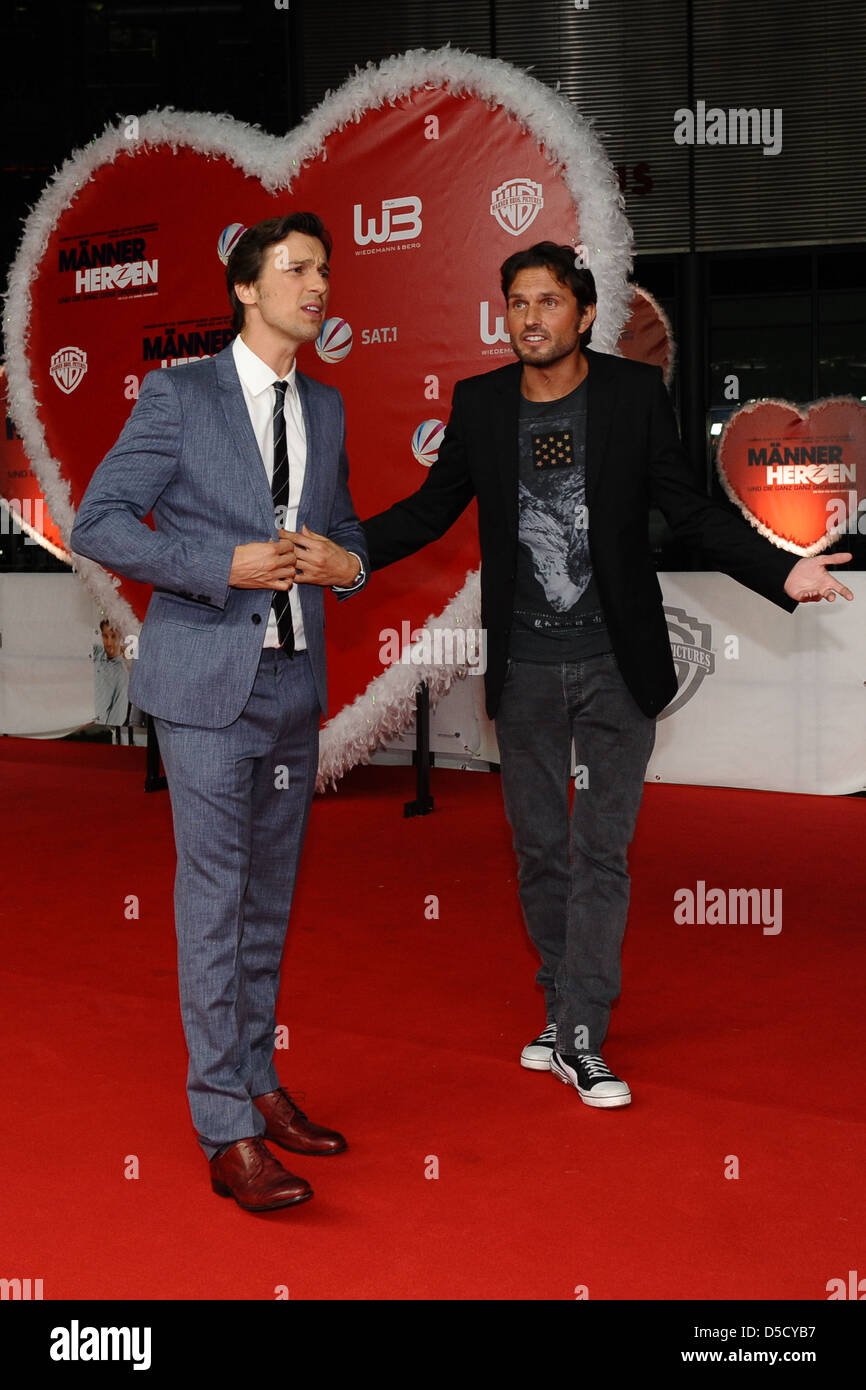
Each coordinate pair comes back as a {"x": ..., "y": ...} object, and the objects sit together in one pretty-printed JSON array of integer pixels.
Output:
[
  {"x": 560, "y": 261},
  {"x": 244, "y": 265}
]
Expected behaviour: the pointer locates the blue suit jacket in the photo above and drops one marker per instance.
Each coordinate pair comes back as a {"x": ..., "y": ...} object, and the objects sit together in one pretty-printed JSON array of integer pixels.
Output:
[{"x": 188, "y": 454}]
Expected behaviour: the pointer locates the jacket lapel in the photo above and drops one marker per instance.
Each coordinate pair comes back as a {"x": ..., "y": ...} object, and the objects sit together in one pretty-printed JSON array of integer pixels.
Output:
[
  {"x": 503, "y": 427},
  {"x": 313, "y": 431},
  {"x": 311, "y": 410},
  {"x": 600, "y": 404},
  {"x": 240, "y": 428}
]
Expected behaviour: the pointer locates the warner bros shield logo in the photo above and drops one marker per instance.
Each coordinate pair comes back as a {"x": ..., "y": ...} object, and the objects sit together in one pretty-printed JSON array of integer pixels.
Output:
[
  {"x": 68, "y": 366},
  {"x": 691, "y": 643},
  {"x": 515, "y": 204}
]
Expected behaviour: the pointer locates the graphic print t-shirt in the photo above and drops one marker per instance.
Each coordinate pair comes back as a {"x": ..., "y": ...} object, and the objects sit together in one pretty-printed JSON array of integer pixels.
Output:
[{"x": 557, "y": 613}]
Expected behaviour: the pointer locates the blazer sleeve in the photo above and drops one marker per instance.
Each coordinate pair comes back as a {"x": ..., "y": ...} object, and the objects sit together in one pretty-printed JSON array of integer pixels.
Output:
[
  {"x": 344, "y": 528},
  {"x": 728, "y": 541},
  {"x": 110, "y": 526},
  {"x": 426, "y": 514}
]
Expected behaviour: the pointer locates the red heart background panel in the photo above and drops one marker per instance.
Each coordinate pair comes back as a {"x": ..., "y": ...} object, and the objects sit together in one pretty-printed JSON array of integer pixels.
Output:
[{"x": 429, "y": 171}]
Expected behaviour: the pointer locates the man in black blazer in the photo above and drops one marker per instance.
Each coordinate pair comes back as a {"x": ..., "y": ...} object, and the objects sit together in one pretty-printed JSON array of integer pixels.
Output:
[{"x": 565, "y": 451}]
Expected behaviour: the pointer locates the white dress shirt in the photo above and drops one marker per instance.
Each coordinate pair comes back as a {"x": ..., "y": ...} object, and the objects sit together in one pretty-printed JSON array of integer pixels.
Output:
[{"x": 257, "y": 380}]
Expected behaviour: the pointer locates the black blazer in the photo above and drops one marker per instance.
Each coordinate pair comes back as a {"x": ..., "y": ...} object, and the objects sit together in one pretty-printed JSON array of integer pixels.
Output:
[{"x": 634, "y": 459}]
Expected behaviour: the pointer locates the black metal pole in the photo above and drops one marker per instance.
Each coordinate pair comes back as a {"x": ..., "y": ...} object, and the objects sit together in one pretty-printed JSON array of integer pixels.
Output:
[
  {"x": 693, "y": 366},
  {"x": 423, "y": 803},
  {"x": 693, "y": 353}
]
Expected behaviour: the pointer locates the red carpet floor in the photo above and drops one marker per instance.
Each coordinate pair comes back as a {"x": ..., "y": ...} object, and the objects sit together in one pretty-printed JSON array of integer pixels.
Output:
[{"x": 405, "y": 1033}]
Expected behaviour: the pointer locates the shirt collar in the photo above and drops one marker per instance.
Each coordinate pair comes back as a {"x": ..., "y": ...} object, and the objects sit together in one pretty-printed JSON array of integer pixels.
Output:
[{"x": 255, "y": 374}]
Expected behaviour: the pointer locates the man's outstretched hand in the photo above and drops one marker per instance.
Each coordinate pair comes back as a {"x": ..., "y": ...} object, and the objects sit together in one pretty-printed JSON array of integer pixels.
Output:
[
  {"x": 809, "y": 580},
  {"x": 320, "y": 560}
]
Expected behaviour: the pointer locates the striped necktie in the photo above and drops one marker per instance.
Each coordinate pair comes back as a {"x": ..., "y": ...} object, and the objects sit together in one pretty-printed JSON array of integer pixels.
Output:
[{"x": 280, "y": 494}]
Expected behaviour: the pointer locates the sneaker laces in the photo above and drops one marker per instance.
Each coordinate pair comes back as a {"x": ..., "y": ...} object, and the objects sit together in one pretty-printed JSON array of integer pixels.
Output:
[
  {"x": 549, "y": 1034},
  {"x": 596, "y": 1067}
]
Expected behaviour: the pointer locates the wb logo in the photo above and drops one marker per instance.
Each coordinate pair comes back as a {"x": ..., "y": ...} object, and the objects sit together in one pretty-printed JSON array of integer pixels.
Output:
[
  {"x": 691, "y": 649},
  {"x": 395, "y": 225},
  {"x": 495, "y": 331}
]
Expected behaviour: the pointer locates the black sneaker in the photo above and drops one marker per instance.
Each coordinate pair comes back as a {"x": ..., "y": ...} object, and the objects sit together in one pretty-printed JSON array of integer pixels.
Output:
[
  {"x": 591, "y": 1077},
  {"x": 536, "y": 1055}
]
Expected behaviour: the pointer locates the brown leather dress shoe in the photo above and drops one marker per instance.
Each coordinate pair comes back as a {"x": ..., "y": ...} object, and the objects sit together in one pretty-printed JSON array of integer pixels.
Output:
[
  {"x": 289, "y": 1127},
  {"x": 249, "y": 1172}
]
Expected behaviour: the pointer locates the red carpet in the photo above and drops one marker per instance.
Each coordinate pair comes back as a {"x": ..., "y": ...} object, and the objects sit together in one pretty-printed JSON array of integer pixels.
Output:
[{"x": 405, "y": 1033}]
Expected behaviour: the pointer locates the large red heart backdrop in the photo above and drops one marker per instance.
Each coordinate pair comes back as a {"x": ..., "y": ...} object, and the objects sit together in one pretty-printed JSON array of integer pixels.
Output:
[
  {"x": 429, "y": 172},
  {"x": 795, "y": 474}
]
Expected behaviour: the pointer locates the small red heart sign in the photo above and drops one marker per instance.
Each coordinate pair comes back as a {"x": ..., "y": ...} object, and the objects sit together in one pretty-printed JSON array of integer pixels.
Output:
[
  {"x": 647, "y": 335},
  {"x": 798, "y": 477}
]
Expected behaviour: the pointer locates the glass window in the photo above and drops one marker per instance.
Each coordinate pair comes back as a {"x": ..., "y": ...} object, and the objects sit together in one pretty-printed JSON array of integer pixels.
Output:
[
  {"x": 842, "y": 344},
  {"x": 765, "y": 342}
]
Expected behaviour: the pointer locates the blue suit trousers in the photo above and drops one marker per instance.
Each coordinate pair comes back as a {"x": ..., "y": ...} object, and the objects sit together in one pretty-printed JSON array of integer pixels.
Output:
[{"x": 240, "y": 799}]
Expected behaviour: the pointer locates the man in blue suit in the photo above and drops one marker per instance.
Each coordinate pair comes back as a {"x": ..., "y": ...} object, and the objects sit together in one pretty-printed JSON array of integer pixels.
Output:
[{"x": 242, "y": 462}]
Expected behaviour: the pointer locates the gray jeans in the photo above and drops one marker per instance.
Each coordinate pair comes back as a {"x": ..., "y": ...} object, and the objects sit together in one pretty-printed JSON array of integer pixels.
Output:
[{"x": 573, "y": 876}]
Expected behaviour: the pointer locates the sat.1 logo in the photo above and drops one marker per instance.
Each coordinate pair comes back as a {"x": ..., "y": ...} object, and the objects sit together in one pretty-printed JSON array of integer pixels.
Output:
[
  {"x": 335, "y": 340},
  {"x": 228, "y": 240},
  {"x": 426, "y": 441}
]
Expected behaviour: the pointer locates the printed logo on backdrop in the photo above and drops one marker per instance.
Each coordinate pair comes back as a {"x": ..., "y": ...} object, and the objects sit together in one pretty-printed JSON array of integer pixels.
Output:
[
  {"x": 398, "y": 221},
  {"x": 493, "y": 331},
  {"x": 515, "y": 204},
  {"x": 96, "y": 267},
  {"x": 68, "y": 366},
  {"x": 371, "y": 336},
  {"x": 335, "y": 340},
  {"x": 175, "y": 344},
  {"x": 426, "y": 441},
  {"x": 691, "y": 649},
  {"x": 228, "y": 240}
]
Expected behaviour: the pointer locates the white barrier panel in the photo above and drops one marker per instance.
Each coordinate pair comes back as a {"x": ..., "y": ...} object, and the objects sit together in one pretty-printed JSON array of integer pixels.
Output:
[
  {"x": 768, "y": 700},
  {"x": 781, "y": 703},
  {"x": 47, "y": 625}
]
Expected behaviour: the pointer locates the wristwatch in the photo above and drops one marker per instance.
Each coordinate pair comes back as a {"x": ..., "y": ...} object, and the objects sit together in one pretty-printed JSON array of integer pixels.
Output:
[{"x": 359, "y": 578}]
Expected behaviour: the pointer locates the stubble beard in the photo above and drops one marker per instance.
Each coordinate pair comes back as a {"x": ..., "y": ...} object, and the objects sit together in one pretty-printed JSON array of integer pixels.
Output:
[
  {"x": 310, "y": 331},
  {"x": 545, "y": 354},
  {"x": 298, "y": 330}
]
